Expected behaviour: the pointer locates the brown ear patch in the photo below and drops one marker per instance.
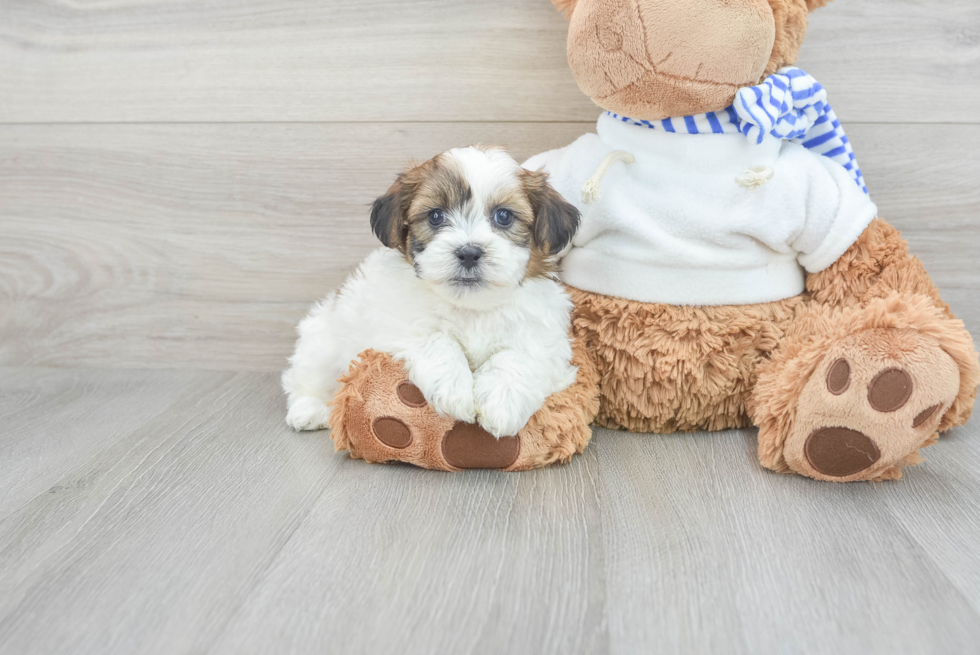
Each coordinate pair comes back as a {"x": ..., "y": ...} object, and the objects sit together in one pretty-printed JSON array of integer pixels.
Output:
[
  {"x": 555, "y": 222},
  {"x": 439, "y": 184},
  {"x": 390, "y": 214}
]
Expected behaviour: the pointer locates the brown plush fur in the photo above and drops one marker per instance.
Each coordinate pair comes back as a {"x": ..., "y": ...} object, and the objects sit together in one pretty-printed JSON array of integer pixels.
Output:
[
  {"x": 877, "y": 264},
  {"x": 556, "y": 433},
  {"x": 791, "y": 18},
  {"x": 666, "y": 368}
]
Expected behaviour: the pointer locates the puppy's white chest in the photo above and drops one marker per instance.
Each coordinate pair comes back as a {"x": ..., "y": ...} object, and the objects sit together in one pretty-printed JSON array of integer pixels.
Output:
[
  {"x": 477, "y": 354},
  {"x": 481, "y": 340}
]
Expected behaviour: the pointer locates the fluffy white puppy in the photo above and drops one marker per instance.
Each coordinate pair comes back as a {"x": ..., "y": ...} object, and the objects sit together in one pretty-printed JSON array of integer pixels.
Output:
[{"x": 464, "y": 293}]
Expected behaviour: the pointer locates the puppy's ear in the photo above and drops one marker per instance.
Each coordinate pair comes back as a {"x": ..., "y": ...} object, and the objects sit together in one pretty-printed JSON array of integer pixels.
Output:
[
  {"x": 566, "y": 7},
  {"x": 555, "y": 219},
  {"x": 388, "y": 214}
]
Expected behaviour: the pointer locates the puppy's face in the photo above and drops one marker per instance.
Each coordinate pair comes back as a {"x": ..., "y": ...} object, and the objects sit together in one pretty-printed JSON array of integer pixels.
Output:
[{"x": 473, "y": 223}]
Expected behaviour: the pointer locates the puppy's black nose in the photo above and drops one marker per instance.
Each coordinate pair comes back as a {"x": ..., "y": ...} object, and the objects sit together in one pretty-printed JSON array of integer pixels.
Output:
[{"x": 469, "y": 256}]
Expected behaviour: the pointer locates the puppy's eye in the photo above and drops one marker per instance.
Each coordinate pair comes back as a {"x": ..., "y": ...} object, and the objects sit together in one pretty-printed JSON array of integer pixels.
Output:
[
  {"x": 437, "y": 217},
  {"x": 503, "y": 217}
]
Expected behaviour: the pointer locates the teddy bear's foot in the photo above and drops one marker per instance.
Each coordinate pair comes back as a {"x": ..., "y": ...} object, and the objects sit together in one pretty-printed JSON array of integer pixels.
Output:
[
  {"x": 853, "y": 393},
  {"x": 379, "y": 416},
  {"x": 875, "y": 399}
]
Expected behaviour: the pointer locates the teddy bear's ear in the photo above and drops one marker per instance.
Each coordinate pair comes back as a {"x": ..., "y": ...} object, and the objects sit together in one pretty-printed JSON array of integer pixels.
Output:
[
  {"x": 815, "y": 4},
  {"x": 568, "y": 6}
]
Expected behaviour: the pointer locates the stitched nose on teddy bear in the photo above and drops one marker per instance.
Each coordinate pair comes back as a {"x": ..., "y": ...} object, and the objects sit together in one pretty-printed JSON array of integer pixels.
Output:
[{"x": 651, "y": 59}]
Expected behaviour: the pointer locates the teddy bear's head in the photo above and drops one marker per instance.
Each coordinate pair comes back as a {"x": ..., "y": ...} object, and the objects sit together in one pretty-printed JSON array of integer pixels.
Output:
[{"x": 654, "y": 59}]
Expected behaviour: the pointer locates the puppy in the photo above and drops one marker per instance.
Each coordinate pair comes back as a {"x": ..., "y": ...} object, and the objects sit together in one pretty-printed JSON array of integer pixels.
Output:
[{"x": 463, "y": 293}]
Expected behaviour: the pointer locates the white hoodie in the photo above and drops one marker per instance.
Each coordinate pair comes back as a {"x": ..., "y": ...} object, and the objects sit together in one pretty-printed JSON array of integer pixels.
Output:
[{"x": 676, "y": 227}]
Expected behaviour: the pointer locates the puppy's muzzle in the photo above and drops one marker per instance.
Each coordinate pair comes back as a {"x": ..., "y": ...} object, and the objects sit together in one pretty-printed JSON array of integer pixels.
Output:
[{"x": 469, "y": 256}]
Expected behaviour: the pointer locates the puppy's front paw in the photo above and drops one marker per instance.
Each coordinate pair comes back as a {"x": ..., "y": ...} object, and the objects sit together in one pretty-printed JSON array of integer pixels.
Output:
[
  {"x": 449, "y": 390},
  {"x": 500, "y": 413},
  {"x": 456, "y": 403},
  {"x": 501, "y": 421},
  {"x": 308, "y": 413}
]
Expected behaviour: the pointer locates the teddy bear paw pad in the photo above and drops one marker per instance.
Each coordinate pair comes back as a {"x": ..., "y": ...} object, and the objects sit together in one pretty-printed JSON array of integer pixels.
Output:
[
  {"x": 410, "y": 395},
  {"x": 392, "y": 432},
  {"x": 839, "y": 452},
  {"x": 468, "y": 446},
  {"x": 875, "y": 400}
]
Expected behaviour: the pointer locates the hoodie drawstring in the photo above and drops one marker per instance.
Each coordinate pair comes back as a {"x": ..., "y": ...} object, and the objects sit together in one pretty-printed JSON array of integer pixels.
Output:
[{"x": 591, "y": 191}]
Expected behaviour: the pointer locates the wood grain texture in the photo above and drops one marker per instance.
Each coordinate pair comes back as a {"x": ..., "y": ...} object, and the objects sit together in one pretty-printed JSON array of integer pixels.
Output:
[
  {"x": 202, "y": 245},
  {"x": 426, "y": 563},
  {"x": 897, "y": 60},
  {"x": 942, "y": 494},
  {"x": 54, "y": 420},
  {"x": 152, "y": 545},
  {"x": 425, "y": 60},
  {"x": 211, "y": 528},
  {"x": 706, "y": 552}
]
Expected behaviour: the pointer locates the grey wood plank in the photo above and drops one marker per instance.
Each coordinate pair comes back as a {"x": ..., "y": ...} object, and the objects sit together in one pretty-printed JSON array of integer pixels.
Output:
[
  {"x": 153, "y": 545},
  {"x": 300, "y": 60},
  {"x": 426, "y": 60},
  {"x": 400, "y": 560},
  {"x": 202, "y": 245},
  {"x": 896, "y": 60},
  {"x": 53, "y": 420},
  {"x": 708, "y": 553},
  {"x": 212, "y": 528},
  {"x": 939, "y": 506}
]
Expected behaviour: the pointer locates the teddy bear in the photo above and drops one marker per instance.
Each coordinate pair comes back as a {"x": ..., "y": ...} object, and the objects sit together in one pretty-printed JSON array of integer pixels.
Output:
[{"x": 731, "y": 269}]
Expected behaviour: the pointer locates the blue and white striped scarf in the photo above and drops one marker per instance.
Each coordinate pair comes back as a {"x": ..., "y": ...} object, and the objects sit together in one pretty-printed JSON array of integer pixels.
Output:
[{"x": 789, "y": 105}]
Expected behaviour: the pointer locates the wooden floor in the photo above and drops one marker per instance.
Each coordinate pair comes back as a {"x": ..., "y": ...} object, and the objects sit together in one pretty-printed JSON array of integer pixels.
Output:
[
  {"x": 179, "y": 180},
  {"x": 173, "y": 512}
]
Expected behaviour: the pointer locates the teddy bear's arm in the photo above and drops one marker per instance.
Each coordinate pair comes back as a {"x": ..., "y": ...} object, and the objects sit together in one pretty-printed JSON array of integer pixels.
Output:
[
  {"x": 837, "y": 212},
  {"x": 877, "y": 264}
]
